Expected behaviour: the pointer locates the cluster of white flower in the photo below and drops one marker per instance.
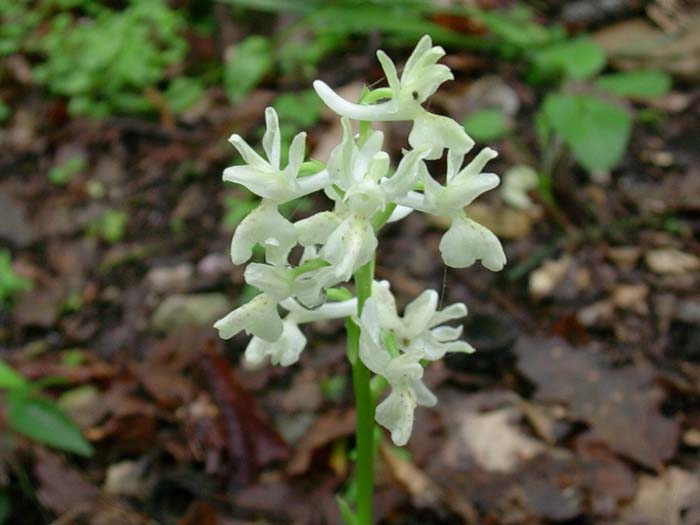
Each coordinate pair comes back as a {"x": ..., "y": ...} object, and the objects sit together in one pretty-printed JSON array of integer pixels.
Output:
[{"x": 366, "y": 194}]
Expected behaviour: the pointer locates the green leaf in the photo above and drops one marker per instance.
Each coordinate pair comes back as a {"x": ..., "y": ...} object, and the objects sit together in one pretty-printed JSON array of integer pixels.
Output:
[
  {"x": 41, "y": 420},
  {"x": 596, "y": 131},
  {"x": 182, "y": 93},
  {"x": 641, "y": 84},
  {"x": 9, "y": 378},
  {"x": 349, "y": 517},
  {"x": 251, "y": 61},
  {"x": 486, "y": 125},
  {"x": 574, "y": 59}
]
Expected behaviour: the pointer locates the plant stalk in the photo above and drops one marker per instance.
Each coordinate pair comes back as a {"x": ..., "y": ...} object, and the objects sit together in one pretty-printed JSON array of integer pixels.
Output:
[{"x": 364, "y": 403}]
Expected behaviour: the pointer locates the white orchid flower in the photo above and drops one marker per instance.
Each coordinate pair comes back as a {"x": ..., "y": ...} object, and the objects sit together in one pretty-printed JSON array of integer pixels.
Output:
[
  {"x": 266, "y": 178},
  {"x": 403, "y": 373},
  {"x": 419, "y": 329},
  {"x": 286, "y": 349},
  {"x": 421, "y": 77},
  {"x": 466, "y": 241}
]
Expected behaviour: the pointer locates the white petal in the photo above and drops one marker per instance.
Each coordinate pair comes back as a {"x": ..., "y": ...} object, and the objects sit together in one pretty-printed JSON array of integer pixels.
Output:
[
  {"x": 406, "y": 175},
  {"x": 390, "y": 72},
  {"x": 440, "y": 132},
  {"x": 275, "y": 281},
  {"x": 332, "y": 310},
  {"x": 285, "y": 351},
  {"x": 447, "y": 333},
  {"x": 386, "y": 306},
  {"x": 266, "y": 226},
  {"x": 467, "y": 241},
  {"x": 424, "y": 397},
  {"x": 258, "y": 317},
  {"x": 264, "y": 183},
  {"x": 272, "y": 138},
  {"x": 419, "y": 312},
  {"x": 477, "y": 164},
  {"x": 396, "y": 413},
  {"x": 296, "y": 159},
  {"x": 350, "y": 246},
  {"x": 399, "y": 213},
  {"x": 317, "y": 228},
  {"x": 313, "y": 183},
  {"x": 453, "y": 311},
  {"x": 250, "y": 156}
]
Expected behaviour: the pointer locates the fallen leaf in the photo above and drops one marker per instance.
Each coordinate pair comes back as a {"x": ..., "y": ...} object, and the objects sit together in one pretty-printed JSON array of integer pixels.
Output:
[
  {"x": 252, "y": 441},
  {"x": 14, "y": 225},
  {"x": 669, "y": 261},
  {"x": 423, "y": 490},
  {"x": 612, "y": 401},
  {"x": 636, "y": 44},
  {"x": 327, "y": 428},
  {"x": 545, "y": 279},
  {"x": 493, "y": 440},
  {"x": 60, "y": 487},
  {"x": 665, "y": 500}
]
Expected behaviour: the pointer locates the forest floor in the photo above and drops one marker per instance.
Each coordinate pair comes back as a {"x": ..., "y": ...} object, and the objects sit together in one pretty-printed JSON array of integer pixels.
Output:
[{"x": 581, "y": 405}]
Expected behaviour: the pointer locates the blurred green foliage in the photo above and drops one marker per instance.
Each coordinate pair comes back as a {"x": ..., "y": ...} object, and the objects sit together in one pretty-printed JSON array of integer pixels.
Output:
[
  {"x": 10, "y": 282},
  {"x": 103, "y": 63},
  {"x": 37, "y": 417},
  {"x": 110, "y": 226},
  {"x": 123, "y": 59},
  {"x": 61, "y": 175}
]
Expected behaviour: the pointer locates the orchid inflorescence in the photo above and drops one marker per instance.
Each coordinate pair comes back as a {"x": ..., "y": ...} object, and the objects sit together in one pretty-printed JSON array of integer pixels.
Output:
[{"x": 335, "y": 244}]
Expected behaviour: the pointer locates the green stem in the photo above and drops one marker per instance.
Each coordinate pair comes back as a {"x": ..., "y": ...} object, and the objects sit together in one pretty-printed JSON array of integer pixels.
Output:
[{"x": 364, "y": 403}]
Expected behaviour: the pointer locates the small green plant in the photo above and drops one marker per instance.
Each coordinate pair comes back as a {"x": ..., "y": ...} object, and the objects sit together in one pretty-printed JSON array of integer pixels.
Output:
[
  {"x": 110, "y": 226},
  {"x": 104, "y": 63},
  {"x": 10, "y": 282},
  {"x": 487, "y": 125},
  {"x": 61, "y": 175},
  {"x": 37, "y": 417}
]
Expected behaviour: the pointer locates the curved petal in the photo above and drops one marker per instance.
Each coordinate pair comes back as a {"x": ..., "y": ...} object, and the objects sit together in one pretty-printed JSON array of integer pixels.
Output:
[
  {"x": 453, "y": 311},
  {"x": 258, "y": 317},
  {"x": 467, "y": 241},
  {"x": 264, "y": 226},
  {"x": 424, "y": 397},
  {"x": 384, "y": 111}
]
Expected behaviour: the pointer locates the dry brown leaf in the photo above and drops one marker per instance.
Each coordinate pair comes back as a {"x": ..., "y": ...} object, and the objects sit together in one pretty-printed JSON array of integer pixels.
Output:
[
  {"x": 612, "y": 401},
  {"x": 665, "y": 500}
]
